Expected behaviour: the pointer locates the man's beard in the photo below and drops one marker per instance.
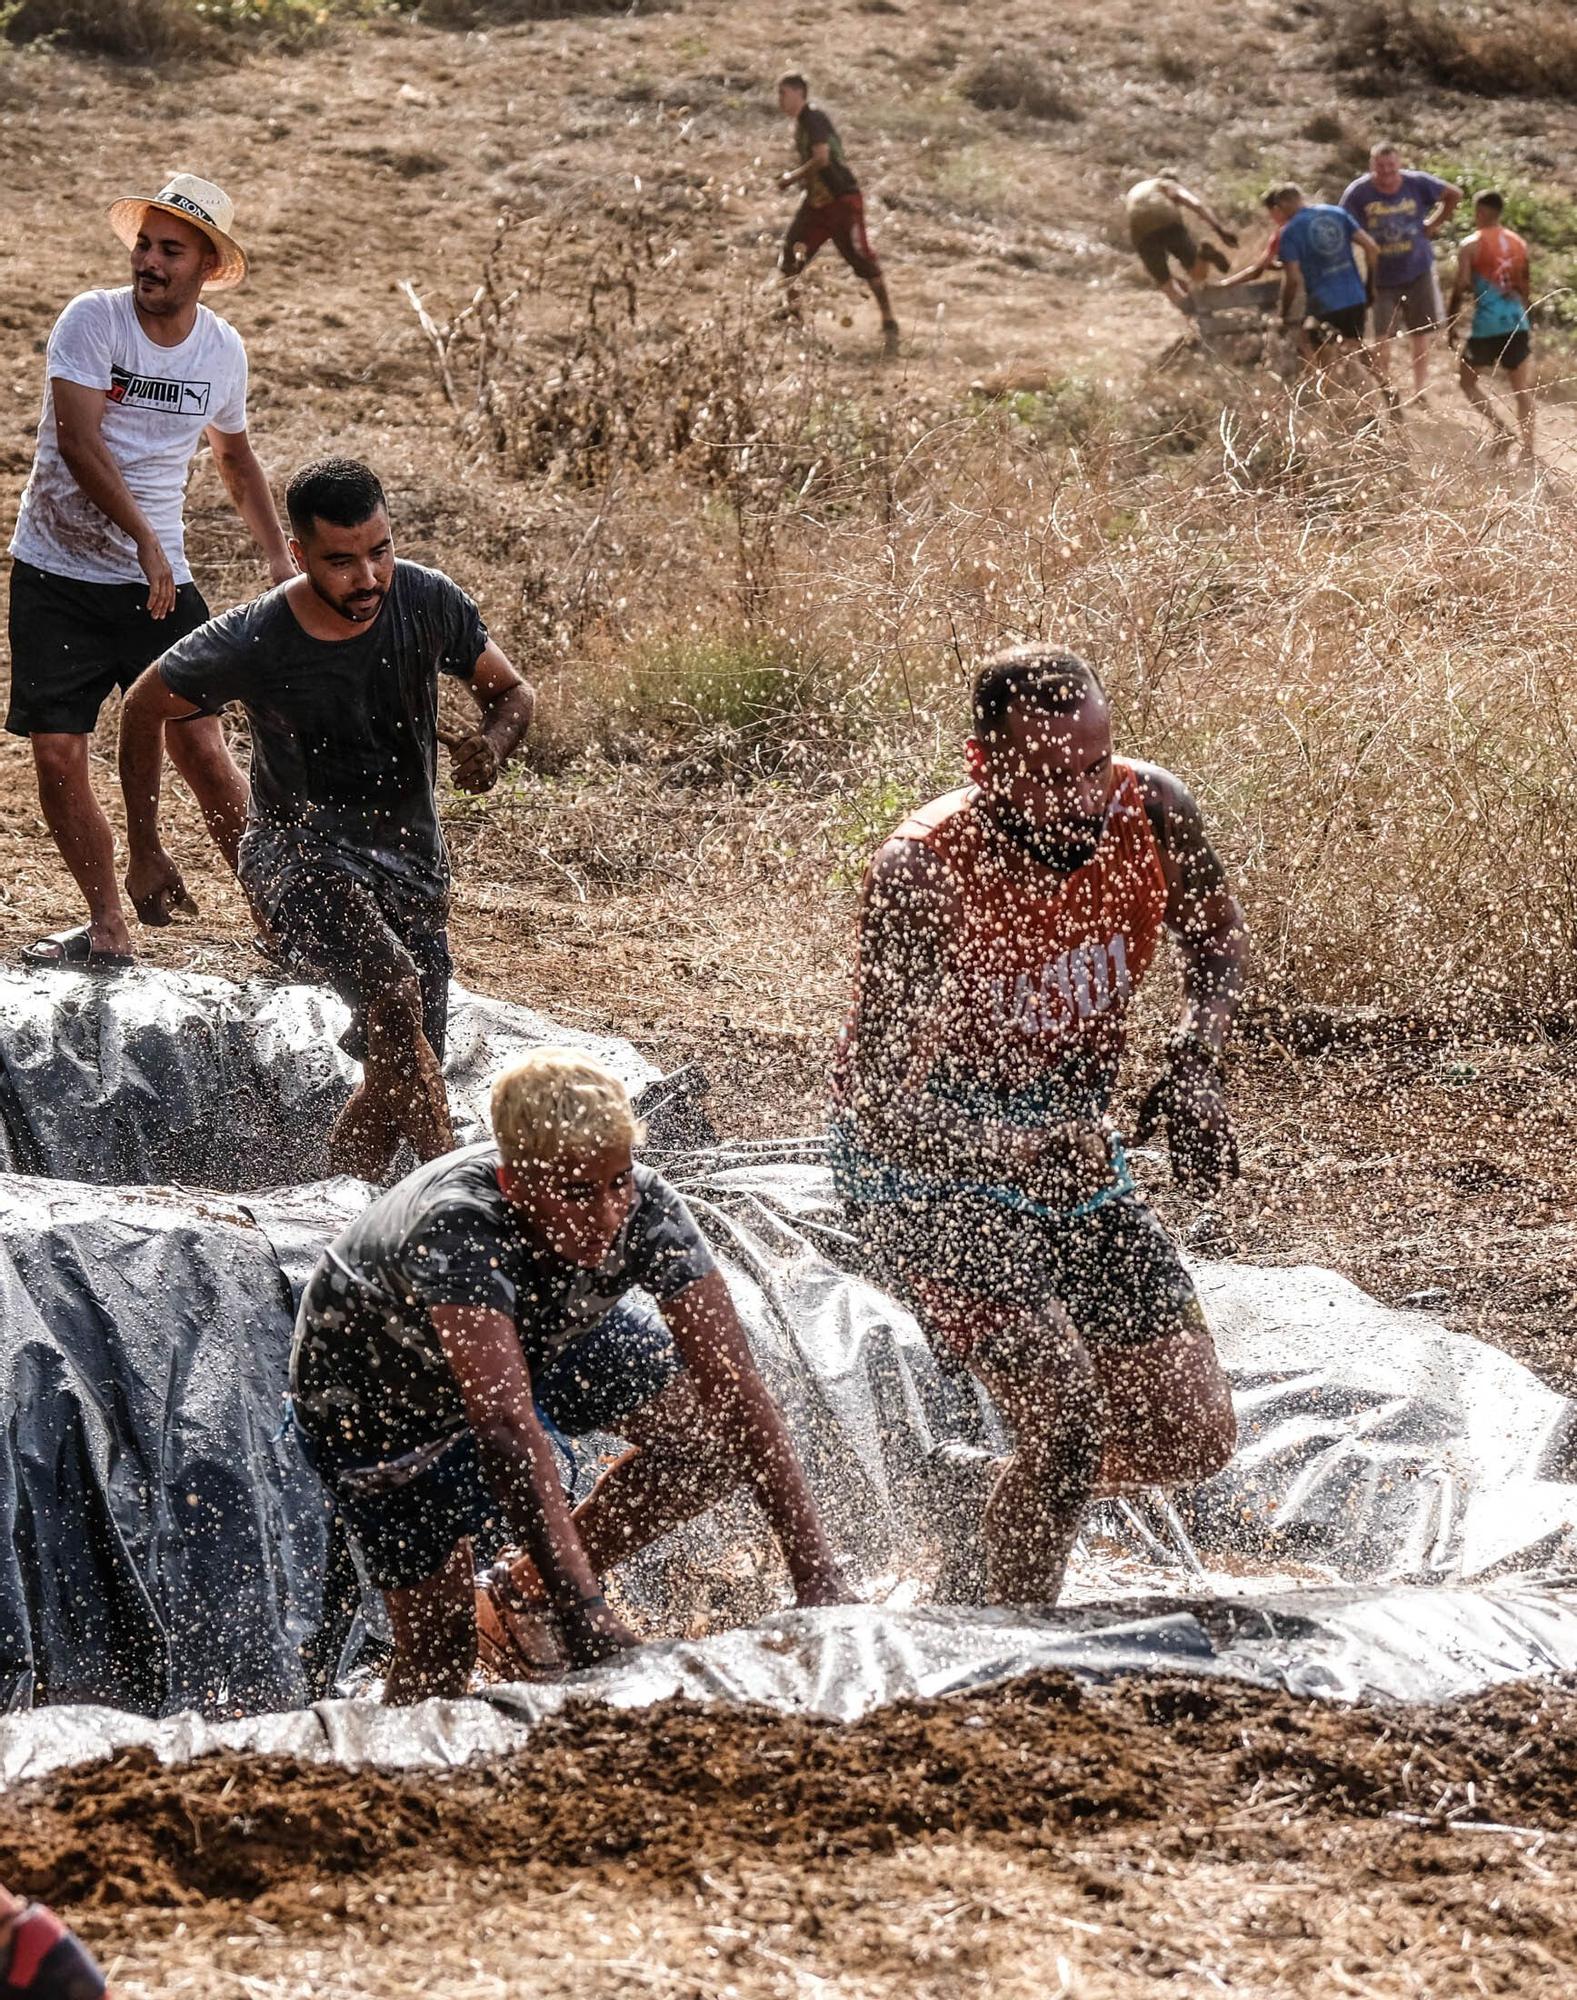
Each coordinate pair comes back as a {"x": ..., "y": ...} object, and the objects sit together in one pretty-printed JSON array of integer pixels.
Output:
[
  {"x": 354, "y": 611},
  {"x": 1065, "y": 846}
]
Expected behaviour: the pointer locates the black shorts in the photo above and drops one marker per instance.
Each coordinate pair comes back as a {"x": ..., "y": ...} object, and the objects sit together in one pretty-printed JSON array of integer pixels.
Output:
[
  {"x": 344, "y": 931},
  {"x": 1115, "y": 1271},
  {"x": 73, "y": 643},
  {"x": 1155, "y": 246},
  {"x": 1499, "y": 350},
  {"x": 406, "y": 1531},
  {"x": 1336, "y": 323}
]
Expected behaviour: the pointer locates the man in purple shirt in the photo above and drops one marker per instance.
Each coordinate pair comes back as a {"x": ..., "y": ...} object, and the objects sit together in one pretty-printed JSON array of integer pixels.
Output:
[{"x": 1404, "y": 211}]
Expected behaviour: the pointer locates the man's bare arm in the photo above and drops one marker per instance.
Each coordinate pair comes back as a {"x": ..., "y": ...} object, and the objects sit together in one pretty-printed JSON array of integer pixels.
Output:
[
  {"x": 79, "y": 421},
  {"x": 482, "y": 1347},
  {"x": 1204, "y": 917},
  {"x": 1185, "y": 198},
  {"x": 1371, "y": 253},
  {"x": 1443, "y": 210},
  {"x": 820, "y": 156},
  {"x": 507, "y": 703},
  {"x": 1461, "y": 286},
  {"x": 712, "y": 1342},
  {"x": 1201, "y": 912},
  {"x": 247, "y": 485}
]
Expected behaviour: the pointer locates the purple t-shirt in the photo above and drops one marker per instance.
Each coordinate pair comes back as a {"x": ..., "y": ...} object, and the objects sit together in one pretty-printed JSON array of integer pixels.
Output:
[{"x": 1396, "y": 222}]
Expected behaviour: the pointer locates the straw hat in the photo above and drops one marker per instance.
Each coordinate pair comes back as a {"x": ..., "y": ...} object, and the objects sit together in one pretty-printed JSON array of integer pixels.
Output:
[{"x": 198, "y": 202}]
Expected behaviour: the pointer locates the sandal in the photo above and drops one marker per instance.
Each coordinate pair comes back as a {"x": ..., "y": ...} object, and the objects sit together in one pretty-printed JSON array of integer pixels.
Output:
[{"x": 75, "y": 947}]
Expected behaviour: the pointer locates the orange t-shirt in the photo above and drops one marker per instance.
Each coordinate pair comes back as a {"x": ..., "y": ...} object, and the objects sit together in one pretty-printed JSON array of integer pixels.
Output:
[{"x": 1036, "y": 982}]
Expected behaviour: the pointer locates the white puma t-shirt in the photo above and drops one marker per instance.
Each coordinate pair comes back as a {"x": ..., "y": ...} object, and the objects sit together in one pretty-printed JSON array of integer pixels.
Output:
[{"x": 158, "y": 401}]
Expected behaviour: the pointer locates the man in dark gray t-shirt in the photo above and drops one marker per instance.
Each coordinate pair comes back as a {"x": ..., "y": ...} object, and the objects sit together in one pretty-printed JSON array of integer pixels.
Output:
[
  {"x": 541, "y": 1285},
  {"x": 342, "y": 860}
]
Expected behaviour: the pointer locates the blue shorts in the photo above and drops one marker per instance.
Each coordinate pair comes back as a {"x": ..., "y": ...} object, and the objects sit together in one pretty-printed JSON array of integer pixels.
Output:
[{"x": 407, "y": 1532}]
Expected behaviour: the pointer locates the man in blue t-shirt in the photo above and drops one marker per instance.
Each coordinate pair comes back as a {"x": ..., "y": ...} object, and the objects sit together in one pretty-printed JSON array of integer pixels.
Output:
[
  {"x": 1404, "y": 211},
  {"x": 1317, "y": 245}
]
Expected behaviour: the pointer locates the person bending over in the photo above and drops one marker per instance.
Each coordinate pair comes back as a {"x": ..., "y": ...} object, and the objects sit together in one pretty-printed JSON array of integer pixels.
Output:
[
  {"x": 492, "y": 1295},
  {"x": 1160, "y": 237},
  {"x": 833, "y": 208},
  {"x": 1317, "y": 242},
  {"x": 1492, "y": 266},
  {"x": 1003, "y": 932},
  {"x": 342, "y": 860}
]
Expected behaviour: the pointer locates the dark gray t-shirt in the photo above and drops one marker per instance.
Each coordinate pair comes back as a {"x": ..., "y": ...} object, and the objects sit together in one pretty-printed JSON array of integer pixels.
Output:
[
  {"x": 367, "y": 1370},
  {"x": 344, "y": 732}
]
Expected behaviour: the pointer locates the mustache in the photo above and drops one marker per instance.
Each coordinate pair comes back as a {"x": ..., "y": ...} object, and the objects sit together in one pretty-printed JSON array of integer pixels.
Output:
[{"x": 1066, "y": 844}]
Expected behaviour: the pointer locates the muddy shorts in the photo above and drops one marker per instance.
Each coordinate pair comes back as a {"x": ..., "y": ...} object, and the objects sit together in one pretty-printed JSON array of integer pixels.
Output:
[
  {"x": 73, "y": 644},
  {"x": 350, "y": 934},
  {"x": 1417, "y": 306},
  {"x": 1336, "y": 323},
  {"x": 1114, "y": 1271},
  {"x": 1498, "y": 350},
  {"x": 407, "y": 1526},
  {"x": 1155, "y": 246},
  {"x": 840, "y": 222}
]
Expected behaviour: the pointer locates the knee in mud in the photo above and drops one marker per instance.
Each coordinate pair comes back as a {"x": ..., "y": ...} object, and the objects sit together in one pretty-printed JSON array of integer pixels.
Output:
[{"x": 1026, "y": 1349}]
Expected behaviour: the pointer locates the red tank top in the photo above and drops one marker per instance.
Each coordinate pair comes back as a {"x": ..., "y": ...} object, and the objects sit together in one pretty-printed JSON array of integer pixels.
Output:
[{"x": 1036, "y": 981}]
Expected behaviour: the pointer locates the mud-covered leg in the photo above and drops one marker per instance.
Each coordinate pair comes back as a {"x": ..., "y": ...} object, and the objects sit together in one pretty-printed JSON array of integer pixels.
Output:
[
  {"x": 402, "y": 1094},
  {"x": 1040, "y": 1376},
  {"x": 434, "y": 1633}
]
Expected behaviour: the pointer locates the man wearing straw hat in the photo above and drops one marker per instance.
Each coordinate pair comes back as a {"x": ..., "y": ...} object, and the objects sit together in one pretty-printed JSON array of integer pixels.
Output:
[{"x": 136, "y": 379}]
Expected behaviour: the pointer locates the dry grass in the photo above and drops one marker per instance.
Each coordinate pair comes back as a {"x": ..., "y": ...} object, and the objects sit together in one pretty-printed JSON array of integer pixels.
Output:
[
  {"x": 1017, "y": 80},
  {"x": 761, "y": 569},
  {"x": 1490, "y": 51},
  {"x": 157, "y": 30}
]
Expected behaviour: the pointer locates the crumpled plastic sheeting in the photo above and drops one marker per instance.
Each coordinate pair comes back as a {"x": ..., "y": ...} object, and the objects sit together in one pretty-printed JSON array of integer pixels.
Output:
[
  {"x": 153, "y": 1076},
  {"x": 840, "y": 1664},
  {"x": 1374, "y": 1445},
  {"x": 166, "y": 1554}
]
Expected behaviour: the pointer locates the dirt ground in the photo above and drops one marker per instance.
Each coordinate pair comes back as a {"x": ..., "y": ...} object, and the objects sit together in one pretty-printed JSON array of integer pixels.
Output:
[
  {"x": 1038, "y": 1840},
  {"x": 1045, "y": 1839}
]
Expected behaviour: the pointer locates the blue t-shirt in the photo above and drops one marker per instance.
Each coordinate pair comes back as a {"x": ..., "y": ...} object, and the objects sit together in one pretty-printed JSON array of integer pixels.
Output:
[
  {"x": 1318, "y": 240},
  {"x": 1396, "y": 222}
]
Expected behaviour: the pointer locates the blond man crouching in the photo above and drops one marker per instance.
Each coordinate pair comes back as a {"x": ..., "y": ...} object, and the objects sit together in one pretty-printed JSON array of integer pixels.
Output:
[{"x": 490, "y": 1296}]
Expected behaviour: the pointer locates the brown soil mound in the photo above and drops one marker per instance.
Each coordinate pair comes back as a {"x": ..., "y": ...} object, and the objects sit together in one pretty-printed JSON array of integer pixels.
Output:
[{"x": 663, "y": 1790}]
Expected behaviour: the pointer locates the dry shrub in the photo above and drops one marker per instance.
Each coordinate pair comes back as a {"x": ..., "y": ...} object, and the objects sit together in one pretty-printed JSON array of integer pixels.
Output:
[
  {"x": 480, "y": 13},
  {"x": 153, "y": 30},
  {"x": 1360, "y": 668},
  {"x": 1488, "y": 49},
  {"x": 1015, "y": 80},
  {"x": 137, "y": 29}
]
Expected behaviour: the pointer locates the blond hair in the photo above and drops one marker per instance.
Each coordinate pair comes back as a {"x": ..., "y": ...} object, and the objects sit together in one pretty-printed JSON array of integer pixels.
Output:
[{"x": 556, "y": 1104}]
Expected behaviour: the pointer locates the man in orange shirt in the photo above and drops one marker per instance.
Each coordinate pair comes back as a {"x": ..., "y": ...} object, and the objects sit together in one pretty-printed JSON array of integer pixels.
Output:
[
  {"x": 1492, "y": 265},
  {"x": 1003, "y": 932}
]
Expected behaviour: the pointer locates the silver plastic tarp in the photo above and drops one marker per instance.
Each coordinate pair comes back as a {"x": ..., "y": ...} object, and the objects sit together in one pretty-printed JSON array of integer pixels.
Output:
[{"x": 1395, "y": 1524}]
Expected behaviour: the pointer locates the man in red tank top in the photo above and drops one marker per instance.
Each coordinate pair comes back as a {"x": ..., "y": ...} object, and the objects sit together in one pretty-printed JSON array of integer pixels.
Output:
[{"x": 1003, "y": 932}]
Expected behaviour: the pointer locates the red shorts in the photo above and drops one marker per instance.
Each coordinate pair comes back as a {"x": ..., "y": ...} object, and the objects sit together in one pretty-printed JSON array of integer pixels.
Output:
[{"x": 840, "y": 221}]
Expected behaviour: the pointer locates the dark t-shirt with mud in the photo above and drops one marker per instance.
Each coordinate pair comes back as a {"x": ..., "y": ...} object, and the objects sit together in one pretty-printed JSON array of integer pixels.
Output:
[
  {"x": 344, "y": 732},
  {"x": 367, "y": 1371},
  {"x": 829, "y": 183}
]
